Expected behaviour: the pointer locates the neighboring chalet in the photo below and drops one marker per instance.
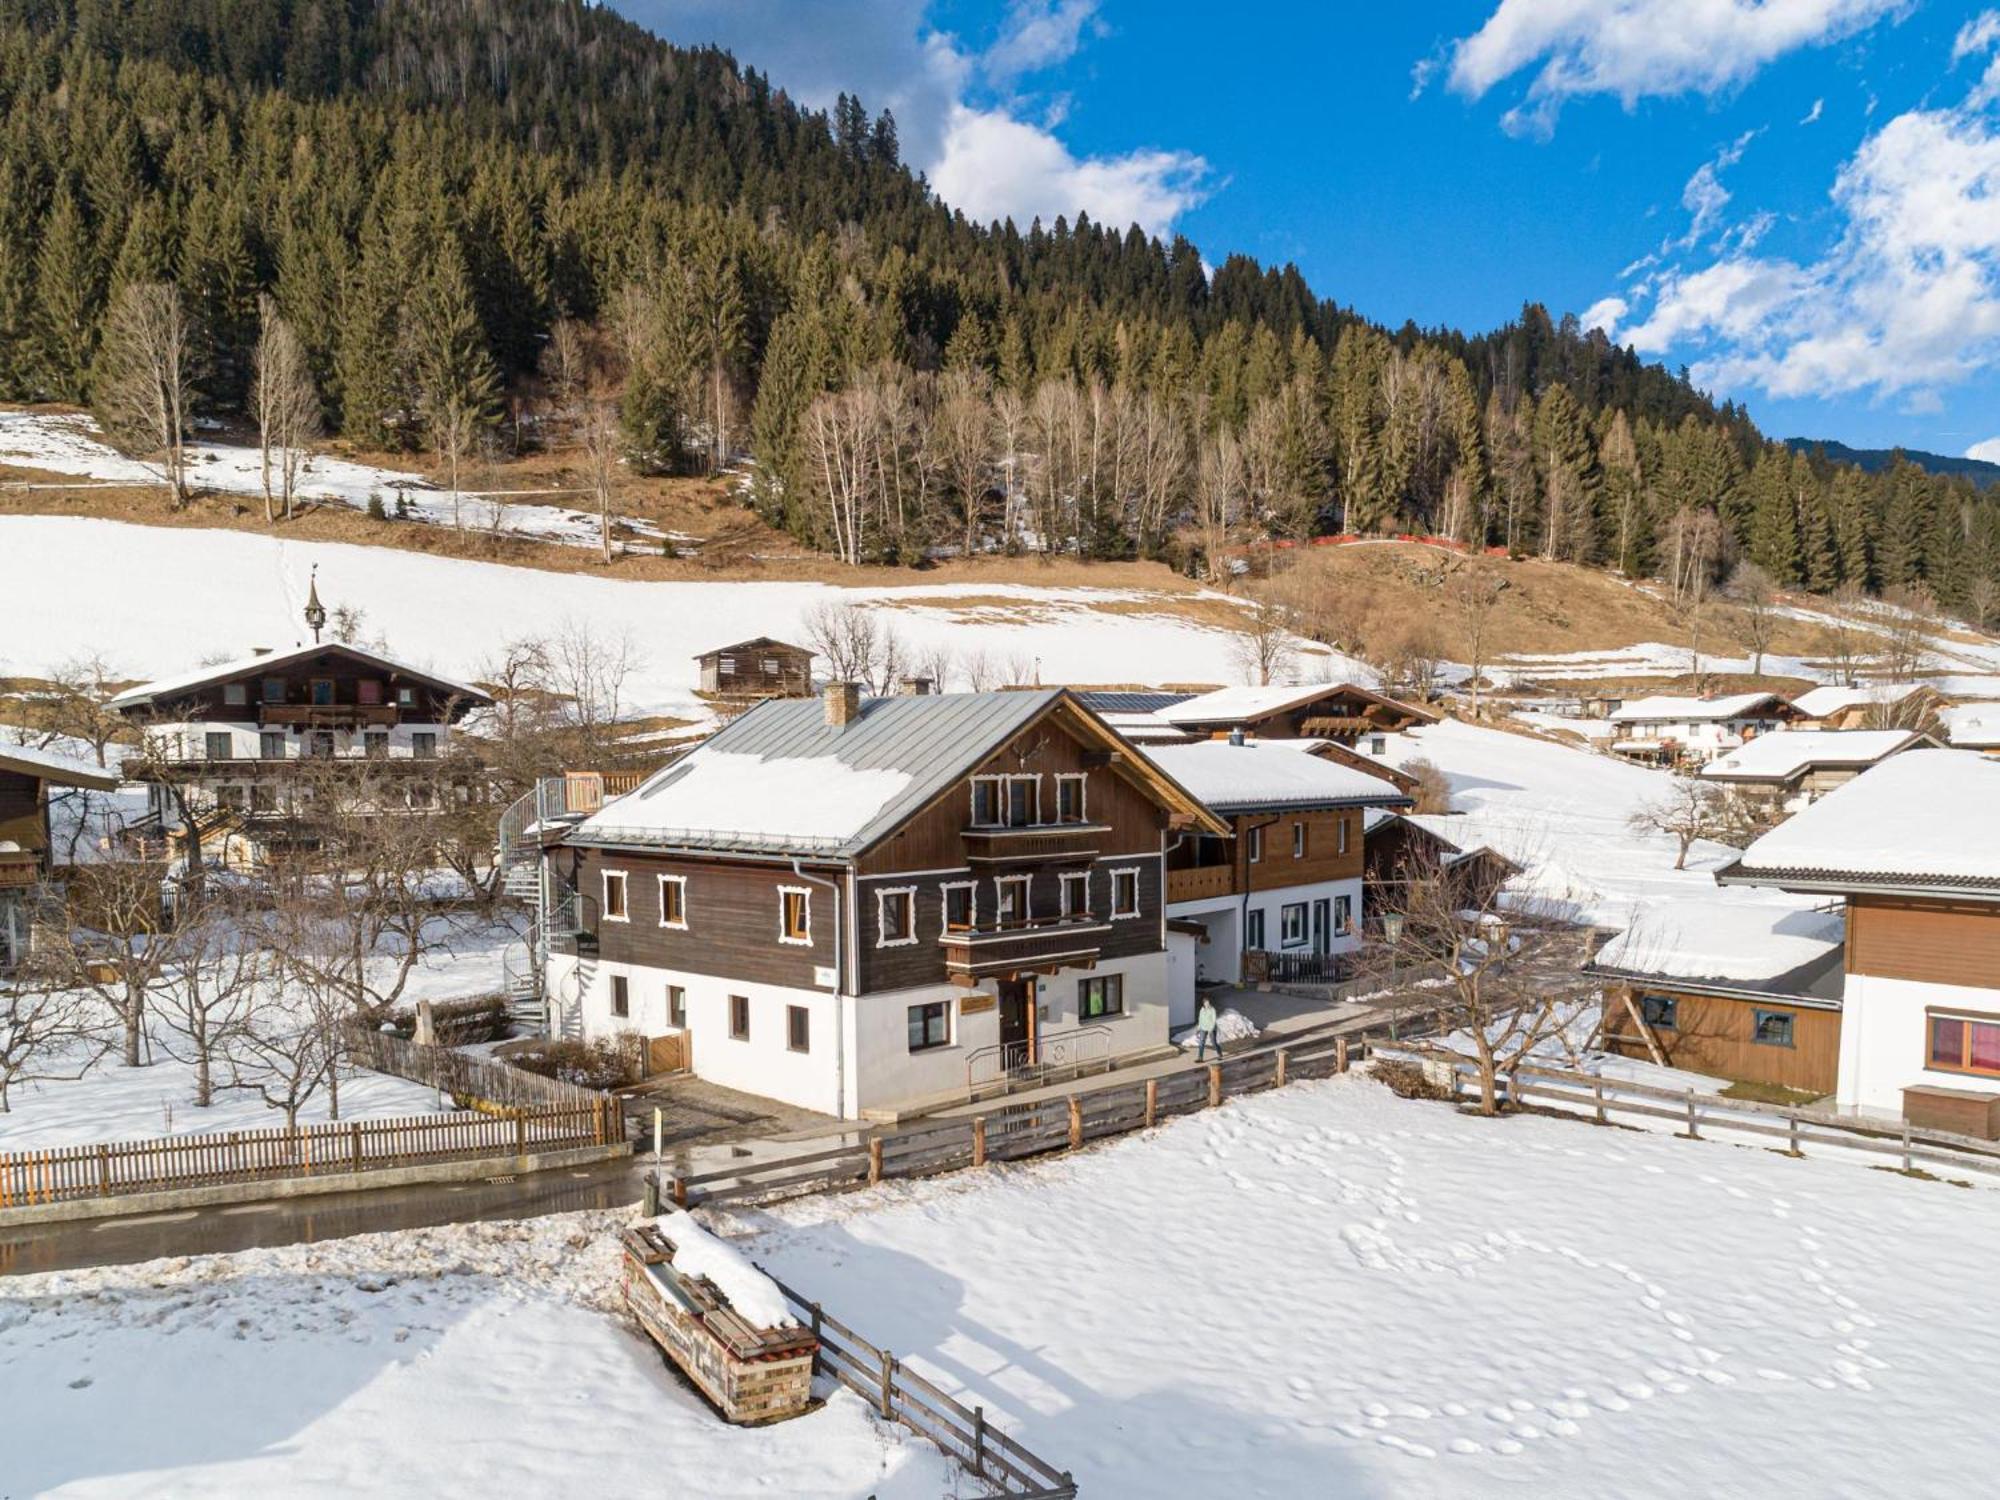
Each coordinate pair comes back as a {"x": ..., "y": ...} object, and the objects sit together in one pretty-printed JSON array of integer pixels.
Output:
[
  {"x": 1913, "y": 848},
  {"x": 1693, "y": 731},
  {"x": 1401, "y": 846},
  {"x": 864, "y": 906},
  {"x": 1744, "y": 990},
  {"x": 1339, "y": 711},
  {"x": 25, "y": 843},
  {"x": 1795, "y": 767},
  {"x": 760, "y": 668},
  {"x": 232, "y": 746},
  {"x": 1284, "y": 884},
  {"x": 1869, "y": 705}
]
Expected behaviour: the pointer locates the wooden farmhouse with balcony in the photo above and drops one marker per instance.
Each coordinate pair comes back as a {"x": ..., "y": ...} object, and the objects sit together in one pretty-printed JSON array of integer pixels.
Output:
[
  {"x": 235, "y": 749},
  {"x": 759, "y": 668},
  {"x": 864, "y": 906},
  {"x": 1913, "y": 851},
  {"x": 1341, "y": 712},
  {"x": 26, "y": 847},
  {"x": 1681, "y": 731},
  {"x": 1279, "y": 893}
]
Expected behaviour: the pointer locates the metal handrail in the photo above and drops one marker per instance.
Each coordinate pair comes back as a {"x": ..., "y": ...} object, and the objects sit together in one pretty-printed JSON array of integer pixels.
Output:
[{"x": 1035, "y": 1059}]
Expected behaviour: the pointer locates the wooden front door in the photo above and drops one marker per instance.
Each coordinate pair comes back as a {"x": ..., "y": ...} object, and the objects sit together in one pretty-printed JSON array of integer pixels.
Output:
[{"x": 1017, "y": 1021}]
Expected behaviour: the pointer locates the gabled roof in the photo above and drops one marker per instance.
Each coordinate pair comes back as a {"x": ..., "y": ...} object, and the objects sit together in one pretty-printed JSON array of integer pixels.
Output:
[
  {"x": 758, "y": 643},
  {"x": 1746, "y": 947},
  {"x": 1109, "y": 701},
  {"x": 779, "y": 779},
  {"x": 63, "y": 770},
  {"x": 1786, "y": 754},
  {"x": 1923, "y": 822},
  {"x": 167, "y": 689},
  {"x": 1256, "y": 776},
  {"x": 1244, "y": 705},
  {"x": 1668, "y": 709},
  {"x": 1820, "y": 702}
]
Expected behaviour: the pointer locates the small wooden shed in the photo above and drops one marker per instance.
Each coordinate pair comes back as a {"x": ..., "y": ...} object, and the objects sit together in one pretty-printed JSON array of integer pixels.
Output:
[{"x": 759, "y": 668}]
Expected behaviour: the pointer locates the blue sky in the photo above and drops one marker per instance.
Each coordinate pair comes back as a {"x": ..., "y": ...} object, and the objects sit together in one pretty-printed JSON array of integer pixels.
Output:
[{"x": 1798, "y": 199}]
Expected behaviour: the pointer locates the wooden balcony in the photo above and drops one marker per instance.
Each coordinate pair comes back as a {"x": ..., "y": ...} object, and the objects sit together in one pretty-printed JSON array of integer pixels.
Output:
[
  {"x": 1203, "y": 883},
  {"x": 329, "y": 715},
  {"x": 1034, "y": 944},
  {"x": 19, "y": 868},
  {"x": 1036, "y": 843}
]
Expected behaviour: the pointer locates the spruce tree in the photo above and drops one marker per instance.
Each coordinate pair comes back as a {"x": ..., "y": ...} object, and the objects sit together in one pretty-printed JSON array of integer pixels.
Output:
[
  {"x": 1818, "y": 564},
  {"x": 1774, "y": 530},
  {"x": 68, "y": 288}
]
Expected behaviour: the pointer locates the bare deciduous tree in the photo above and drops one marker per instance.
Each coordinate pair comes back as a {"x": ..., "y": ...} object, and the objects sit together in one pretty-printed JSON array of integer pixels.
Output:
[
  {"x": 1690, "y": 809},
  {"x": 600, "y": 443},
  {"x": 212, "y": 992},
  {"x": 122, "y": 943},
  {"x": 285, "y": 404},
  {"x": 1471, "y": 595},
  {"x": 1912, "y": 624},
  {"x": 1263, "y": 648},
  {"x": 49, "y": 1030},
  {"x": 144, "y": 386},
  {"x": 1756, "y": 598},
  {"x": 1218, "y": 498}
]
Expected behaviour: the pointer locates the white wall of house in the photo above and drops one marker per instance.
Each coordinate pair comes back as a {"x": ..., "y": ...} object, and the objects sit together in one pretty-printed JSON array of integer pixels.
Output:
[
  {"x": 189, "y": 739},
  {"x": 1230, "y": 923},
  {"x": 1698, "y": 739},
  {"x": 1183, "y": 967},
  {"x": 1884, "y": 1040},
  {"x": 867, "y": 1039}
]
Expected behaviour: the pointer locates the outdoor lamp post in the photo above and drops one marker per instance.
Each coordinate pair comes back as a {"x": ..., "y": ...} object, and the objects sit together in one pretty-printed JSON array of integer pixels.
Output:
[{"x": 1392, "y": 929}]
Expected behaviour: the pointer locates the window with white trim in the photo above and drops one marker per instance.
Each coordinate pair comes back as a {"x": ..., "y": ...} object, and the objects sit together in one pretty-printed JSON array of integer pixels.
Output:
[
  {"x": 961, "y": 905},
  {"x": 1256, "y": 837},
  {"x": 1343, "y": 915},
  {"x": 1075, "y": 894},
  {"x": 1013, "y": 908},
  {"x": 896, "y": 917},
  {"x": 989, "y": 801},
  {"x": 1024, "y": 801},
  {"x": 1072, "y": 798},
  {"x": 673, "y": 901},
  {"x": 1299, "y": 839},
  {"x": 1253, "y": 931},
  {"x": 795, "y": 915},
  {"x": 1124, "y": 893},
  {"x": 1340, "y": 834},
  {"x": 615, "y": 909},
  {"x": 1292, "y": 925}
]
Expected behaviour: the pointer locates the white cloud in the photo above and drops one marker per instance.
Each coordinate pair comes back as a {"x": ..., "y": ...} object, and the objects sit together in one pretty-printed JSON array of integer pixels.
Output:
[
  {"x": 1704, "y": 196},
  {"x": 1904, "y": 303},
  {"x": 1812, "y": 115},
  {"x": 1606, "y": 313},
  {"x": 1989, "y": 451},
  {"x": 1636, "y": 49},
  {"x": 986, "y": 150}
]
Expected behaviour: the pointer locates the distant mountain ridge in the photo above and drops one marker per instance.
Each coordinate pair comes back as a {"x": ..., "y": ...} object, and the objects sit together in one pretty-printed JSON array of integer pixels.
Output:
[{"x": 1875, "y": 460}]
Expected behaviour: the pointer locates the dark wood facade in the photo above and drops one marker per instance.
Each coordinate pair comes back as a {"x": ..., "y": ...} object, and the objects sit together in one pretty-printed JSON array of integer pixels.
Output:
[
  {"x": 1340, "y": 712},
  {"x": 333, "y": 687},
  {"x": 1201, "y": 868},
  {"x": 1716, "y": 1034},
  {"x": 760, "y": 668}
]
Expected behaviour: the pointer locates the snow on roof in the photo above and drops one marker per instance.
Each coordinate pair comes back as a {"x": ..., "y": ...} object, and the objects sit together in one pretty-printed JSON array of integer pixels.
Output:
[
  {"x": 1230, "y": 704},
  {"x": 166, "y": 687},
  {"x": 1819, "y": 702},
  {"x": 65, "y": 770},
  {"x": 1787, "y": 753},
  {"x": 713, "y": 796},
  {"x": 1144, "y": 728},
  {"x": 1928, "y": 816},
  {"x": 1665, "y": 709},
  {"x": 1744, "y": 941},
  {"x": 1254, "y": 774},
  {"x": 753, "y": 1295},
  {"x": 1972, "y": 725}
]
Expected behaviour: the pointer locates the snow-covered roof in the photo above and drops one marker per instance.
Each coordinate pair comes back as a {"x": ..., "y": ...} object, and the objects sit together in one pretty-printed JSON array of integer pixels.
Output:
[
  {"x": 1820, "y": 702},
  {"x": 1788, "y": 753},
  {"x": 64, "y": 770},
  {"x": 1146, "y": 728},
  {"x": 1667, "y": 709},
  {"x": 1746, "y": 942},
  {"x": 1925, "y": 818},
  {"x": 1972, "y": 726},
  {"x": 1240, "y": 705},
  {"x": 1229, "y": 777},
  {"x": 781, "y": 779},
  {"x": 166, "y": 688}
]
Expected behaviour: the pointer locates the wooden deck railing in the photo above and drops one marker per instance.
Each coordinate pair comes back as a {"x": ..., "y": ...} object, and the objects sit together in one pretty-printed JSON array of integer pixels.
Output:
[{"x": 59, "y": 1173}]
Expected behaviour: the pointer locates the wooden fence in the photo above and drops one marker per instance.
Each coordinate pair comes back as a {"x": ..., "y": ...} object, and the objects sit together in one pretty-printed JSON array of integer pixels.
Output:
[
  {"x": 1007, "y": 1132},
  {"x": 67, "y": 1172},
  {"x": 1603, "y": 1100},
  {"x": 899, "y": 1394},
  {"x": 460, "y": 1074}
]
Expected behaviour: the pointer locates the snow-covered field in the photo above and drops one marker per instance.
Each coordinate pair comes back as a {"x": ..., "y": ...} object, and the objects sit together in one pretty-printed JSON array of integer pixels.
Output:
[
  {"x": 484, "y": 1359},
  {"x": 1319, "y": 1290},
  {"x": 1327, "y": 1290},
  {"x": 70, "y": 443},
  {"x": 454, "y": 615}
]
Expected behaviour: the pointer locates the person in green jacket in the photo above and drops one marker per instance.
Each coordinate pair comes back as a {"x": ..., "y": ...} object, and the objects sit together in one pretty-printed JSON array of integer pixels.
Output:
[{"x": 1204, "y": 1030}]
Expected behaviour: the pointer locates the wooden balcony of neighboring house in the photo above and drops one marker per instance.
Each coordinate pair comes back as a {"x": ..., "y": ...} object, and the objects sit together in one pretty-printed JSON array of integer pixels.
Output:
[
  {"x": 1027, "y": 944},
  {"x": 1201, "y": 883},
  {"x": 19, "y": 868},
  {"x": 1035, "y": 843},
  {"x": 329, "y": 715}
]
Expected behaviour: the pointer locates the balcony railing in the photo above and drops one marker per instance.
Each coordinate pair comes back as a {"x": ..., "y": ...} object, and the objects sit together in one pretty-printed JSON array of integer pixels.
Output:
[
  {"x": 1202, "y": 883},
  {"x": 1035, "y": 843},
  {"x": 1001, "y": 947},
  {"x": 18, "y": 868},
  {"x": 329, "y": 715}
]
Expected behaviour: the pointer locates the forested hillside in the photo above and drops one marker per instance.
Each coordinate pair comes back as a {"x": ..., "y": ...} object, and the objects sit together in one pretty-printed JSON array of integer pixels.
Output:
[{"x": 531, "y": 220}]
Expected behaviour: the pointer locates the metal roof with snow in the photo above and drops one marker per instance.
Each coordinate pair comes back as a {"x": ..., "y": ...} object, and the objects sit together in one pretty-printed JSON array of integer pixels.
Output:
[
  {"x": 781, "y": 779},
  {"x": 1119, "y": 701},
  {"x": 63, "y": 770},
  {"x": 1243, "y": 704},
  {"x": 1253, "y": 776},
  {"x": 148, "y": 694},
  {"x": 1819, "y": 702},
  {"x": 1786, "y": 754},
  {"x": 1668, "y": 710}
]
